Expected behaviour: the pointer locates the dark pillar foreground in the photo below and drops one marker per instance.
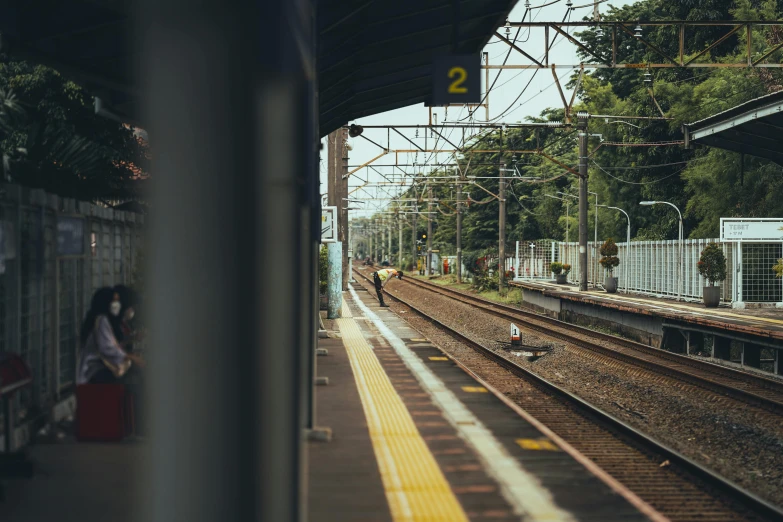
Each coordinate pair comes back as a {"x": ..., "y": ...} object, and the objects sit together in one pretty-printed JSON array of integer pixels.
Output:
[
  {"x": 228, "y": 109},
  {"x": 721, "y": 348},
  {"x": 751, "y": 355}
]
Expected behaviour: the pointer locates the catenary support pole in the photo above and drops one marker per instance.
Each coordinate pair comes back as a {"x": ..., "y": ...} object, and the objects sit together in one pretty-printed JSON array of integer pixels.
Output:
[
  {"x": 459, "y": 233},
  {"x": 429, "y": 232},
  {"x": 582, "y": 128},
  {"x": 389, "y": 238},
  {"x": 399, "y": 242},
  {"x": 502, "y": 230},
  {"x": 414, "y": 251},
  {"x": 343, "y": 203},
  {"x": 239, "y": 148}
]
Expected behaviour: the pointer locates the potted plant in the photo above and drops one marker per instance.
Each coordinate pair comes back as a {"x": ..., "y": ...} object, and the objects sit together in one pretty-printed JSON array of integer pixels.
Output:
[
  {"x": 557, "y": 269},
  {"x": 566, "y": 271},
  {"x": 712, "y": 267},
  {"x": 609, "y": 261}
]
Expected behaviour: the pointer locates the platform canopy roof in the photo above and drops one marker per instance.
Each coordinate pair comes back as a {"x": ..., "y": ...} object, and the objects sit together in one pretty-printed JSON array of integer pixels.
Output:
[
  {"x": 373, "y": 55},
  {"x": 754, "y": 127}
]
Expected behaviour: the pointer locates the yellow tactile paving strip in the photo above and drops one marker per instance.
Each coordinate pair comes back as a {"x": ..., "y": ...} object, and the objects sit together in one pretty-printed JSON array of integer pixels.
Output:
[{"x": 415, "y": 487}]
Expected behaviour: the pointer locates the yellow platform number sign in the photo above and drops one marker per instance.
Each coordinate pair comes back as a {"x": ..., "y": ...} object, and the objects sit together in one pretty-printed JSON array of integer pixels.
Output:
[{"x": 456, "y": 79}]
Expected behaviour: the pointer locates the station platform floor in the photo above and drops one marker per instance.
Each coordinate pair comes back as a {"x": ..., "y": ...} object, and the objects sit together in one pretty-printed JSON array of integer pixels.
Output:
[
  {"x": 764, "y": 322},
  {"x": 416, "y": 437}
]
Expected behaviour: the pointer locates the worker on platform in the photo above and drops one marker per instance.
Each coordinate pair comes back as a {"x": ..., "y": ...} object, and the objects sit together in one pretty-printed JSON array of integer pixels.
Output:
[{"x": 380, "y": 278}]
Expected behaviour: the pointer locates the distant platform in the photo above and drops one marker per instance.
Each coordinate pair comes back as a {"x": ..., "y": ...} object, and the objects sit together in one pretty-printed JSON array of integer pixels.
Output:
[{"x": 651, "y": 320}]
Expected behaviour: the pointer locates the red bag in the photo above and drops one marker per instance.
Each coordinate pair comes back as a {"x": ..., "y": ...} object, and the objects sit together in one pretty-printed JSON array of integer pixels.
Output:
[{"x": 104, "y": 412}]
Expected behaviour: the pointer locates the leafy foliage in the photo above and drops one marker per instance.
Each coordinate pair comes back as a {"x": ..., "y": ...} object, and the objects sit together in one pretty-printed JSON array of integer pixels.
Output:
[
  {"x": 778, "y": 269},
  {"x": 51, "y": 138},
  {"x": 556, "y": 268},
  {"x": 609, "y": 259},
  {"x": 323, "y": 269},
  {"x": 712, "y": 264}
]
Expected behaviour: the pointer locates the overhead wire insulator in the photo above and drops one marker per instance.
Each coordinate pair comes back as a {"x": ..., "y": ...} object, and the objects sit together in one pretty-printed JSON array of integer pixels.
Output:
[{"x": 638, "y": 31}]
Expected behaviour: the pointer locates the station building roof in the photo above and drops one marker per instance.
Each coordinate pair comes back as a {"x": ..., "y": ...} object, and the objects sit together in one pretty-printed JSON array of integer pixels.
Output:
[
  {"x": 754, "y": 127},
  {"x": 373, "y": 56}
]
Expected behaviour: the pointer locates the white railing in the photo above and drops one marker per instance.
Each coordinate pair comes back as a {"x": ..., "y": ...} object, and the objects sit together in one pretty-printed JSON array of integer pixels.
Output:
[{"x": 647, "y": 267}]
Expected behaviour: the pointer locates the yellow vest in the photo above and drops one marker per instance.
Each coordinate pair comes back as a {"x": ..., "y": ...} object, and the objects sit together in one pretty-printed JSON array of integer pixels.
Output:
[{"x": 386, "y": 273}]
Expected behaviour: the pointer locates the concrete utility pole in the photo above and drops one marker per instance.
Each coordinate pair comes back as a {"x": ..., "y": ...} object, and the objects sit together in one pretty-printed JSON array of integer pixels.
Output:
[
  {"x": 459, "y": 232},
  {"x": 378, "y": 240},
  {"x": 414, "y": 224},
  {"x": 594, "y": 261},
  {"x": 342, "y": 208},
  {"x": 502, "y": 230},
  {"x": 370, "y": 253},
  {"x": 389, "y": 235},
  {"x": 399, "y": 242},
  {"x": 336, "y": 268},
  {"x": 582, "y": 128},
  {"x": 429, "y": 232}
]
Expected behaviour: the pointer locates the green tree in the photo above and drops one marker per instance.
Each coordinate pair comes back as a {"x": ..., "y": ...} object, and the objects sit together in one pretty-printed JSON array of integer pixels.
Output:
[{"x": 55, "y": 141}]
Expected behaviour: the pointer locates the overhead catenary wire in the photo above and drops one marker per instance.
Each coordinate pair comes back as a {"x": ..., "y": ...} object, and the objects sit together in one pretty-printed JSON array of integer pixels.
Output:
[{"x": 638, "y": 182}]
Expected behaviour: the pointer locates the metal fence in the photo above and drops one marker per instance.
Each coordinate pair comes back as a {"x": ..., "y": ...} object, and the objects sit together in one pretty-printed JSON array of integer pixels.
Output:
[
  {"x": 652, "y": 268},
  {"x": 54, "y": 253}
]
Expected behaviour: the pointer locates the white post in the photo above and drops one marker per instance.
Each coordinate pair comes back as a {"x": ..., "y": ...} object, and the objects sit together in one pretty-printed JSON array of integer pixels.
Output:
[{"x": 334, "y": 279}]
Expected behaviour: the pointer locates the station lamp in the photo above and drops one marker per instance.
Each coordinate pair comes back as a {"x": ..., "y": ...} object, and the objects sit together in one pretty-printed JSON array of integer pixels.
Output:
[
  {"x": 569, "y": 4},
  {"x": 355, "y": 130}
]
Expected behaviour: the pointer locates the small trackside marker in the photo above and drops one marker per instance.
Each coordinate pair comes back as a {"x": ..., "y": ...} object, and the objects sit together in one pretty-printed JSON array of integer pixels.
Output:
[
  {"x": 474, "y": 389},
  {"x": 418, "y": 340},
  {"x": 537, "y": 444},
  {"x": 439, "y": 358},
  {"x": 515, "y": 337}
]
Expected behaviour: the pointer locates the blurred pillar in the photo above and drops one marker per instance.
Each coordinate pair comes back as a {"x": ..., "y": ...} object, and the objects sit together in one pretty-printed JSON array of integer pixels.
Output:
[{"x": 228, "y": 93}]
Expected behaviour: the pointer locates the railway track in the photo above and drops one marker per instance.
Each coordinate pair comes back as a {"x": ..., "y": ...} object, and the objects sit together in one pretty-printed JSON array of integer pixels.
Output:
[
  {"x": 676, "y": 486},
  {"x": 750, "y": 389}
]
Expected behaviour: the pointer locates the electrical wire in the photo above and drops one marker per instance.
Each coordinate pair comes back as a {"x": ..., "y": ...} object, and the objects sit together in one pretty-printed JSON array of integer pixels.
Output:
[
  {"x": 647, "y": 166},
  {"x": 497, "y": 76},
  {"x": 551, "y": 46},
  {"x": 638, "y": 182}
]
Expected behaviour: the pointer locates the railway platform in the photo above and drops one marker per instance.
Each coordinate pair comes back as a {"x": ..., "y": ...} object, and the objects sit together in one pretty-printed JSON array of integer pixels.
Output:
[
  {"x": 751, "y": 338},
  {"x": 416, "y": 436}
]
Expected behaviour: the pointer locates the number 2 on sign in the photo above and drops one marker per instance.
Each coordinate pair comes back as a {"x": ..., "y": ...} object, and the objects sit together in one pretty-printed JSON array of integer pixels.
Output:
[{"x": 456, "y": 86}]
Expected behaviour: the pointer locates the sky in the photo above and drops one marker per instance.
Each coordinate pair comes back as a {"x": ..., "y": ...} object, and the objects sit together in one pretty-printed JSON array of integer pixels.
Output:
[{"x": 516, "y": 95}]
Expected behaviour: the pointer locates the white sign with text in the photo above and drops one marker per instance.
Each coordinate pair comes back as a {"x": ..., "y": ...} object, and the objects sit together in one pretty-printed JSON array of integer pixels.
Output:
[
  {"x": 328, "y": 224},
  {"x": 755, "y": 230}
]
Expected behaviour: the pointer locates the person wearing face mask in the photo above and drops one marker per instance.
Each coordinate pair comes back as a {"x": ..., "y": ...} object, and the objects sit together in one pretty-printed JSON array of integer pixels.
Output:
[
  {"x": 103, "y": 359},
  {"x": 127, "y": 333}
]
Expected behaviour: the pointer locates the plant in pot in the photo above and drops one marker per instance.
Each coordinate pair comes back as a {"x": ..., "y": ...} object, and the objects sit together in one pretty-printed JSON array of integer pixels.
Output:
[
  {"x": 557, "y": 269},
  {"x": 712, "y": 267},
  {"x": 566, "y": 271},
  {"x": 609, "y": 261}
]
